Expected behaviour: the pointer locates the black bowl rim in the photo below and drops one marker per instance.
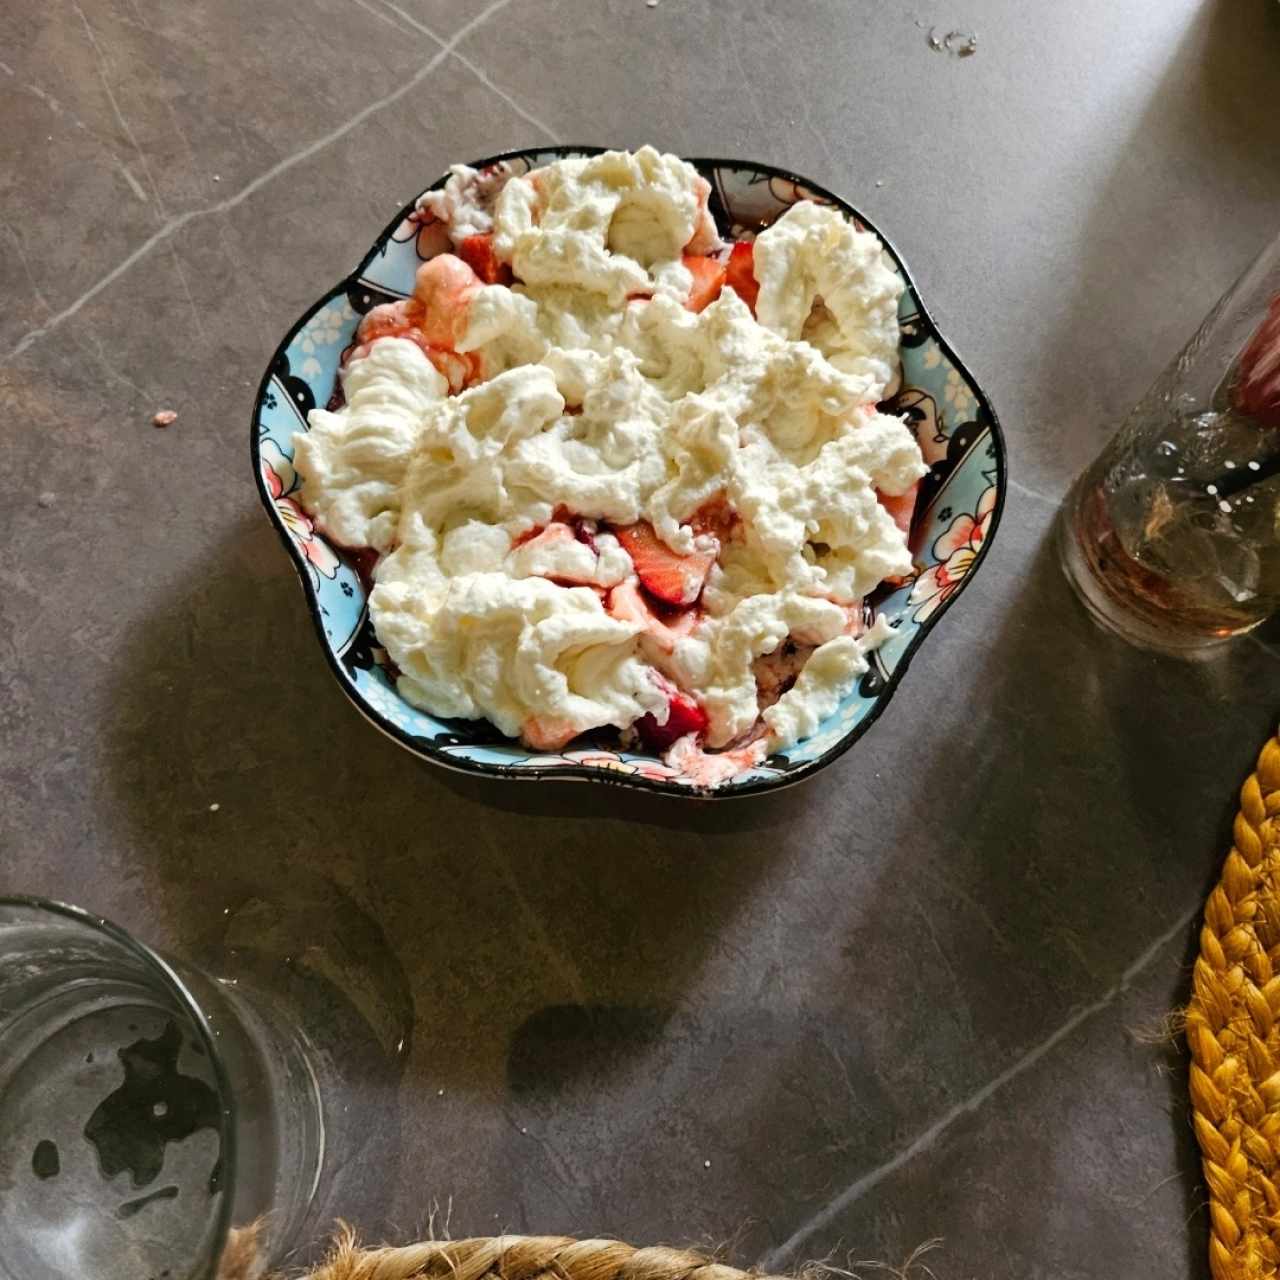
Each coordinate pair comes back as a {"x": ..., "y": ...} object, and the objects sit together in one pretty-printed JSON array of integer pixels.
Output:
[{"x": 586, "y": 773}]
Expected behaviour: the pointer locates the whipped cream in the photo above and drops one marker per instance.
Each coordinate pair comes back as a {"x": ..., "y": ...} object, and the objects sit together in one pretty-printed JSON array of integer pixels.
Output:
[
  {"x": 615, "y": 224},
  {"x": 824, "y": 280},
  {"x": 355, "y": 460},
  {"x": 598, "y": 403},
  {"x": 465, "y": 203}
]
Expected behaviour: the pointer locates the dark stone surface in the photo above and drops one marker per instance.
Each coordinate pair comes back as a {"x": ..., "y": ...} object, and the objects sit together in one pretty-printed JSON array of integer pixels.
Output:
[{"x": 897, "y": 1003}]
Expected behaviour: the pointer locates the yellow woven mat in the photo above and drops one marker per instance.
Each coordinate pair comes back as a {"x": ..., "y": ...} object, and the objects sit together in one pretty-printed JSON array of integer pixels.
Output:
[{"x": 1233, "y": 1030}]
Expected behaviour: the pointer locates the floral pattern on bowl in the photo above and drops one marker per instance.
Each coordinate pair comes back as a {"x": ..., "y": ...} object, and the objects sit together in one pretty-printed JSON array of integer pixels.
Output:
[{"x": 956, "y": 515}]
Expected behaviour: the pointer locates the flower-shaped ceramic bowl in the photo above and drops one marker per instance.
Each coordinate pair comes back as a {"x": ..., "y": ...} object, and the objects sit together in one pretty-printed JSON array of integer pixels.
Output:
[{"x": 955, "y": 519}]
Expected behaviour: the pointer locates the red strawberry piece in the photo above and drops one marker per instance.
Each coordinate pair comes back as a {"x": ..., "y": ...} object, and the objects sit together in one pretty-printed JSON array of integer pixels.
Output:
[
  {"x": 584, "y": 528},
  {"x": 585, "y": 532},
  {"x": 390, "y": 320},
  {"x": 1256, "y": 390},
  {"x": 364, "y": 560},
  {"x": 556, "y": 534},
  {"x": 715, "y": 517},
  {"x": 856, "y": 613},
  {"x": 627, "y": 603},
  {"x": 665, "y": 574},
  {"x": 445, "y": 286},
  {"x": 459, "y": 370},
  {"x": 708, "y": 277},
  {"x": 478, "y": 253},
  {"x": 456, "y": 370},
  {"x": 902, "y": 508},
  {"x": 684, "y": 716},
  {"x": 705, "y": 237},
  {"x": 546, "y": 733},
  {"x": 409, "y": 320},
  {"x": 741, "y": 274},
  {"x": 546, "y": 536}
]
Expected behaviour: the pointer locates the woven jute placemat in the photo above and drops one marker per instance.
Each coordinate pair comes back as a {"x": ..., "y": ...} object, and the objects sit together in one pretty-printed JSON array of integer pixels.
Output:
[
  {"x": 1233, "y": 1031},
  {"x": 522, "y": 1258}
]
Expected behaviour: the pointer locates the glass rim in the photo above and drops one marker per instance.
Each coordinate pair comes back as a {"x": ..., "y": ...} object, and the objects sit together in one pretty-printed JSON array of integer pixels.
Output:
[{"x": 173, "y": 981}]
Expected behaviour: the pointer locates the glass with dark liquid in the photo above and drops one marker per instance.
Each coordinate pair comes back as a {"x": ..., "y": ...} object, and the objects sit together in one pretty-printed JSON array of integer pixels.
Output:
[{"x": 1171, "y": 538}]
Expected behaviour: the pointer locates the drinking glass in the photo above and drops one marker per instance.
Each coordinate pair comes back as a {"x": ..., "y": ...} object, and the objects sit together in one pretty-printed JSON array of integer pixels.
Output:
[
  {"x": 158, "y": 1122},
  {"x": 1171, "y": 537}
]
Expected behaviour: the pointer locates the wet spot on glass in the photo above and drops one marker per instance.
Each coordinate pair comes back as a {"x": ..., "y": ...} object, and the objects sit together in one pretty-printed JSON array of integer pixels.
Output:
[
  {"x": 45, "y": 1161},
  {"x": 155, "y": 1105},
  {"x": 130, "y": 1207}
]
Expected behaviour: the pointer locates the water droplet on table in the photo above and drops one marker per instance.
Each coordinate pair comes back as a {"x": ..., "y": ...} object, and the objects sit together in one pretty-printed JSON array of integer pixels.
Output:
[{"x": 963, "y": 44}]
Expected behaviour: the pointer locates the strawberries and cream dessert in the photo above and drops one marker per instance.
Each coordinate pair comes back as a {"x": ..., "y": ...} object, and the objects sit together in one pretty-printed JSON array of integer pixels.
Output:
[{"x": 620, "y": 473}]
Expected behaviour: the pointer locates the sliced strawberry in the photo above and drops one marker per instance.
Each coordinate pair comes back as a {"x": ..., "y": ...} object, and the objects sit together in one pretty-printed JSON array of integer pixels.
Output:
[
  {"x": 741, "y": 273},
  {"x": 902, "y": 508},
  {"x": 407, "y": 320},
  {"x": 364, "y": 560},
  {"x": 458, "y": 369},
  {"x": 478, "y": 253},
  {"x": 671, "y": 578},
  {"x": 585, "y": 532},
  {"x": 627, "y": 603},
  {"x": 856, "y": 613},
  {"x": 715, "y": 517},
  {"x": 358, "y": 350},
  {"x": 538, "y": 555},
  {"x": 546, "y": 733},
  {"x": 705, "y": 237},
  {"x": 684, "y": 716},
  {"x": 584, "y": 528},
  {"x": 1256, "y": 390},
  {"x": 445, "y": 286},
  {"x": 390, "y": 320},
  {"x": 711, "y": 768},
  {"x": 708, "y": 277},
  {"x": 547, "y": 536}
]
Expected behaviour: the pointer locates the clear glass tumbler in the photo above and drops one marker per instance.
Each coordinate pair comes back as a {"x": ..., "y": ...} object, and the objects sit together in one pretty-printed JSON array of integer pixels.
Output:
[
  {"x": 159, "y": 1123},
  {"x": 1171, "y": 537}
]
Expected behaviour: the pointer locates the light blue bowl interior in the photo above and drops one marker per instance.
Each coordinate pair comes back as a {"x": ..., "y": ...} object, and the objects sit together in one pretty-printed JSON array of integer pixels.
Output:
[{"x": 955, "y": 427}]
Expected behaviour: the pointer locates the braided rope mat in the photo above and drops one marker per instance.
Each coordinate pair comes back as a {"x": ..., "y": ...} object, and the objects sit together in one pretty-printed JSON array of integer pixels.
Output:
[
  {"x": 1233, "y": 1030},
  {"x": 521, "y": 1258}
]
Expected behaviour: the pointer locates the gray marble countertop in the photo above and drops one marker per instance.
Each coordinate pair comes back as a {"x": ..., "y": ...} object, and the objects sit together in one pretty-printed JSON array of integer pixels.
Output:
[{"x": 903, "y": 1001}]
